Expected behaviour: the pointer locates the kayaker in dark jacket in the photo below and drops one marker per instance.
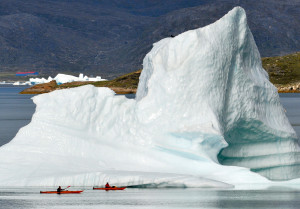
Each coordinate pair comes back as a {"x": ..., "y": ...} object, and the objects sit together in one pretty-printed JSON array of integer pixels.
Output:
[
  {"x": 107, "y": 185},
  {"x": 59, "y": 189}
]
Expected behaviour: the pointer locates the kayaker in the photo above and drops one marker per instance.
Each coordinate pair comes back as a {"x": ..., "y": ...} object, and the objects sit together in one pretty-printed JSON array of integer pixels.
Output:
[
  {"x": 107, "y": 185},
  {"x": 59, "y": 189}
]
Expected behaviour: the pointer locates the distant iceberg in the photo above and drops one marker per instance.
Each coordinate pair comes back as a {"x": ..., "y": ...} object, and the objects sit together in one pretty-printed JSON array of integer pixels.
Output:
[
  {"x": 205, "y": 115},
  {"x": 18, "y": 83},
  {"x": 63, "y": 78}
]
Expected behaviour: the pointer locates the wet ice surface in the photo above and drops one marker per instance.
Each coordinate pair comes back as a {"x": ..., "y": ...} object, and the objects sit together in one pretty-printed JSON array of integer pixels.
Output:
[{"x": 153, "y": 198}]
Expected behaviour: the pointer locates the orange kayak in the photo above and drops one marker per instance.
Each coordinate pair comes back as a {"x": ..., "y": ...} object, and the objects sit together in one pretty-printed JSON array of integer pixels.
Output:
[
  {"x": 62, "y": 192},
  {"x": 110, "y": 188}
]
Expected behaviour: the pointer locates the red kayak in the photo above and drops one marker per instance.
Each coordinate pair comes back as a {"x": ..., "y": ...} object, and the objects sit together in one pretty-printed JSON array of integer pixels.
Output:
[
  {"x": 62, "y": 192},
  {"x": 110, "y": 188}
]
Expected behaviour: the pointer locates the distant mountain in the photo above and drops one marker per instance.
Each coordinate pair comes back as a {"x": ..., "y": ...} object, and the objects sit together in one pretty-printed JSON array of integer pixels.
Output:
[{"x": 111, "y": 37}]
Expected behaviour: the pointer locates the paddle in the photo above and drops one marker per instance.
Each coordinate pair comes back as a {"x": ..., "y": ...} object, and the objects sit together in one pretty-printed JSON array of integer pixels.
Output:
[{"x": 66, "y": 188}]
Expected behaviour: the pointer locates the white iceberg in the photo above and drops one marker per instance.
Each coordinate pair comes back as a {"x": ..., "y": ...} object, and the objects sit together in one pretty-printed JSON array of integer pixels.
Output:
[
  {"x": 34, "y": 81},
  {"x": 64, "y": 78},
  {"x": 18, "y": 83},
  {"x": 203, "y": 98}
]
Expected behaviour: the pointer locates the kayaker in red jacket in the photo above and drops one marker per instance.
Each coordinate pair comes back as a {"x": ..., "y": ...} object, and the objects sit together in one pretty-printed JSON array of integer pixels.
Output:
[{"x": 107, "y": 185}]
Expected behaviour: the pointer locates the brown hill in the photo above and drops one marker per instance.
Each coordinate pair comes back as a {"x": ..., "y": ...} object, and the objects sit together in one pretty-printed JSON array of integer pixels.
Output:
[{"x": 126, "y": 84}]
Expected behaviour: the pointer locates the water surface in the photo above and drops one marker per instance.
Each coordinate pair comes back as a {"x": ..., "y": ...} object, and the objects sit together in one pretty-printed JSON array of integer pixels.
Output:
[
  {"x": 275, "y": 198},
  {"x": 291, "y": 103},
  {"x": 15, "y": 111}
]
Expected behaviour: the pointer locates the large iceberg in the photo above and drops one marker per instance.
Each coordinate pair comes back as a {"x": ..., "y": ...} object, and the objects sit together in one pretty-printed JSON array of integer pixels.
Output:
[{"x": 205, "y": 115}]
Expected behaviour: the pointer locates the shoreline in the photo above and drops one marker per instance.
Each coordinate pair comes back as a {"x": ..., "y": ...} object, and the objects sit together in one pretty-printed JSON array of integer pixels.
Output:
[
  {"x": 52, "y": 86},
  {"x": 288, "y": 88}
]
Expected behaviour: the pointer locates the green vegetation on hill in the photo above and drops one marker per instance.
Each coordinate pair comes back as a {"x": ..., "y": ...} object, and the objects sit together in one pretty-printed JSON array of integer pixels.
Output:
[
  {"x": 128, "y": 81},
  {"x": 284, "y": 69}
]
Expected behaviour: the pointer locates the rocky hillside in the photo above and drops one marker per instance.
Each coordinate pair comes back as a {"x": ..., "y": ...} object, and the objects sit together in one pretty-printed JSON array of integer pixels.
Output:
[
  {"x": 284, "y": 71},
  {"x": 111, "y": 37}
]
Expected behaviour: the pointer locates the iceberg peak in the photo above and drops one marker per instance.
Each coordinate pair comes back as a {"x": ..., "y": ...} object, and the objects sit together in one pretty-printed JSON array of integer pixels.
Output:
[{"x": 216, "y": 72}]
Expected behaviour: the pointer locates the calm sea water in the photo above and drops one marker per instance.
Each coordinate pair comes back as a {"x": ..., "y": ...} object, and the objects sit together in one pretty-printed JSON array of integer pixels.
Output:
[
  {"x": 291, "y": 102},
  {"x": 270, "y": 198},
  {"x": 16, "y": 111}
]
